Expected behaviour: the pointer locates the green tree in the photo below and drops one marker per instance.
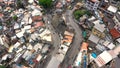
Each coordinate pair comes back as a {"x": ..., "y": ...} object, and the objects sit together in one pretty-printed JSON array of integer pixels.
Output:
[
  {"x": 79, "y": 13},
  {"x": 45, "y": 3},
  {"x": 15, "y": 17},
  {"x": 21, "y": 3},
  {"x": 1, "y": 66}
]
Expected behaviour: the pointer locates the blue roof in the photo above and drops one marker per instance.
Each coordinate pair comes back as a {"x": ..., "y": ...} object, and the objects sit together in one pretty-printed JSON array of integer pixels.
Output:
[
  {"x": 1, "y": 27},
  {"x": 94, "y": 55}
]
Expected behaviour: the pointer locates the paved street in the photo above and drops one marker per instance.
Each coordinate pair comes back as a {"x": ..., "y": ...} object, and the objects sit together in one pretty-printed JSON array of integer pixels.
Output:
[
  {"x": 73, "y": 51},
  {"x": 55, "y": 37},
  {"x": 56, "y": 42},
  {"x": 117, "y": 62},
  {"x": 74, "y": 47},
  {"x": 60, "y": 33}
]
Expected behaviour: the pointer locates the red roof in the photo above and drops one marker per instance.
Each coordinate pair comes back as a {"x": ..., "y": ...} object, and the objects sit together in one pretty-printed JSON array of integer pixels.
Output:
[
  {"x": 1, "y": 15},
  {"x": 94, "y": 0},
  {"x": 68, "y": 0},
  {"x": 1, "y": 0},
  {"x": 35, "y": 61},
  {"x": 38, "y": 24},
  {"x": 36, "y": 18},
  {"x": 115, "y": 34},
  {"x": 84, "y": 46}
]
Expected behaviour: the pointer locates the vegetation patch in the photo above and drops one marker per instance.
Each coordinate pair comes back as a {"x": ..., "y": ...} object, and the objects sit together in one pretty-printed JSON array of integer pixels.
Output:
[
  {"x": 79, "y": 13},
  {"x": 45, "y": 3}
]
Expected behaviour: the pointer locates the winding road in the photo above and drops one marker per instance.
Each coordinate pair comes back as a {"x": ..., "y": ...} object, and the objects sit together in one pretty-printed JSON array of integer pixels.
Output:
[
  {"x": 56, "y": 42},
  {"x": 74, "y": 47}
]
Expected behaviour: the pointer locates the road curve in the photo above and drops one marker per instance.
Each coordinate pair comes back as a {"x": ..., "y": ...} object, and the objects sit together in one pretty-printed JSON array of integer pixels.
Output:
[
  {"x": 56, "y": 42},
  {"x": 74, "y": 47}
]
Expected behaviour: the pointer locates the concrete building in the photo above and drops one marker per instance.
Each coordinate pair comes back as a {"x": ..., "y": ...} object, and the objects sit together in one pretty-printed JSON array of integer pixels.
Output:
[
  {"x": 108, "y": 44},
  {"x": 68, "y": 37},
  {"x": 103, "y": 58},
  {"x": 83, "y": 50},
  {"x": 107, "y": 56},
  {"x": 115, "y": 33},
  {"x": 98, "y": 29},
  {"x": 92, "y": 4},
  {"x": 112, "y": 9},
  {"x": 118, "y": 40},
  {"x": 94, "y": 38}
]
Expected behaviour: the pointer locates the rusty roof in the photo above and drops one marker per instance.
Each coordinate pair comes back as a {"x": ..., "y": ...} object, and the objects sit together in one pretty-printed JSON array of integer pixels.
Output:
[{"x": 115, "y": 34}]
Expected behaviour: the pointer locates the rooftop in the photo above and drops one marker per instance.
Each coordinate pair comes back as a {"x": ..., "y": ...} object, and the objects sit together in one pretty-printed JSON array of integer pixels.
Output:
[
  {"x": 112, "y": 9},
  {"x": 103, "y": 58},
  {"x": 98, "y": 26}
]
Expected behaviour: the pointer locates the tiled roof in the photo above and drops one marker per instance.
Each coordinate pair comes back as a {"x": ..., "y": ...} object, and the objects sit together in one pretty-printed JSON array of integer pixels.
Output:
[{"x": 115, "y": 34}]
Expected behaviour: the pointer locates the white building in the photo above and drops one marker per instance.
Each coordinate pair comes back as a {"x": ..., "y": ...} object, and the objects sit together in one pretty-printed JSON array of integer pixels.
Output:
[
  {"x": 16, "y": 26},
  {"x": 98, "y": 26},
  {"x": 27, "y": 55},
  {"x": 109, "y": 45},
  {"x": 103, "y": 58},
  {"x": 46, "y": 31},
  {"x": 17, "y": 44},
  {"x": 36, "y": 12},
  {"x": 39, "y": 57},
  {"x": 78, "y": 59},
  {"x": 47, "y": 37},
  {"x": 38, "y": 46},
  {"x": 20, "y": 34},
  {"x": 63, "y": 49},
  {"x": 112, "y": 9},
  {"x": 1, "y": 41}
]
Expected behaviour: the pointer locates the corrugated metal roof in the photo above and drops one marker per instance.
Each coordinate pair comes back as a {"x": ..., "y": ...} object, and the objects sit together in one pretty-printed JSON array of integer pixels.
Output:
[
  {"x": 94, "y": 38},
  {"x": 115, "y": 34},
  {"x": 103, "y": 58}
]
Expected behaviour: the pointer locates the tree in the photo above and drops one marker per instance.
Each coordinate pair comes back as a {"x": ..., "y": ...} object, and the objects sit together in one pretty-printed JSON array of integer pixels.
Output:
[
  {"x": 79, "y": 13},
  {"x": 21, "y": 4},
  {"x": 1, "y": 66},
  {"x": 45, "y": 3},
  {"x": 15, "y": 17}
]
